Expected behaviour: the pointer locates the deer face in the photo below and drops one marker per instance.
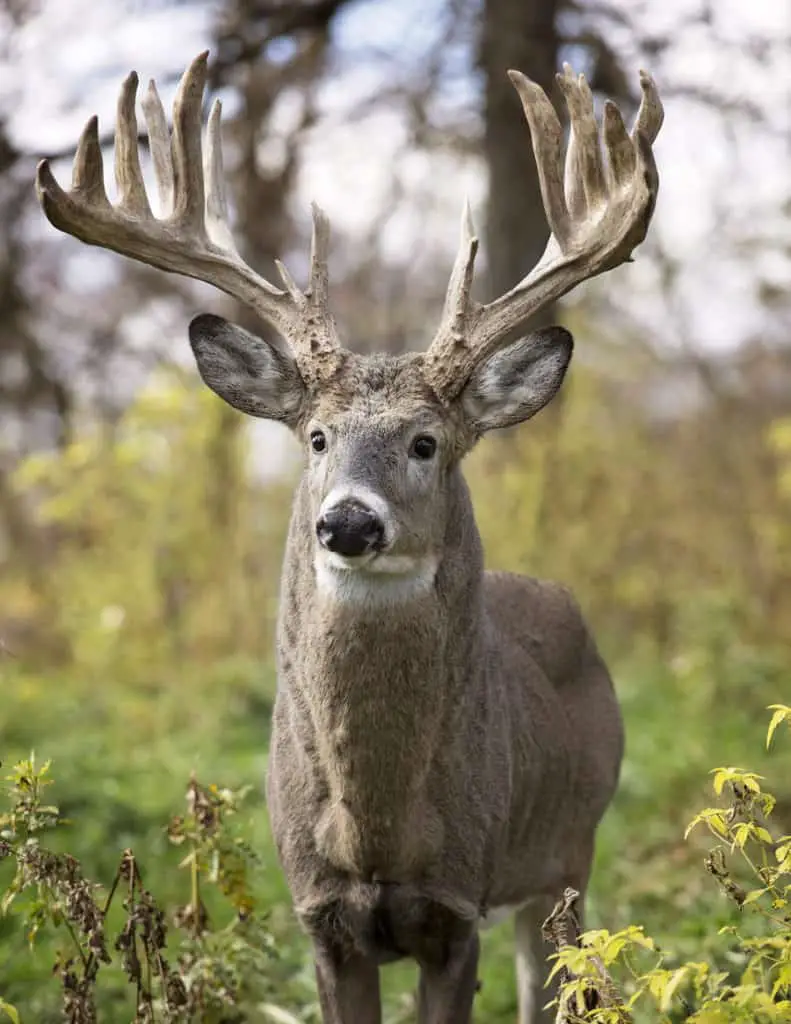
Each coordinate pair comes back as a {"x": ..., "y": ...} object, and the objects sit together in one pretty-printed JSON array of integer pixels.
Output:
[
  {"x": 379, "y": 444},
  {"x": 379, "y": 447}
]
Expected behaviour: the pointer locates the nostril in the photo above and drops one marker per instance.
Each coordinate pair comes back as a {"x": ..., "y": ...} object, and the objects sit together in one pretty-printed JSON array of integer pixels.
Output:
[
  {"x": 349, "y": 528},
  {"x": 375, "y": 531},
  {"x": 365, "y": 521},
  {"x": 324, "y": 530}
]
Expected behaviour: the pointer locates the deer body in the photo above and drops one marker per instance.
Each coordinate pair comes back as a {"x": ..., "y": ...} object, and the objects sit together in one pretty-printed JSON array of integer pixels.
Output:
[
  {"x": 445, "y": 740},
  {"x": 443, "y": 736},
  {"x": 431, "y": 756}
]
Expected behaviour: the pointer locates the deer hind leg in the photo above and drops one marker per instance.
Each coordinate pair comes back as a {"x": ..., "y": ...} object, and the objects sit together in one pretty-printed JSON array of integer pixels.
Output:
[
  {"x": 446, "y": 992},
  {"x": 348, "y": 987},
  {"x": 532, "y": 965}
]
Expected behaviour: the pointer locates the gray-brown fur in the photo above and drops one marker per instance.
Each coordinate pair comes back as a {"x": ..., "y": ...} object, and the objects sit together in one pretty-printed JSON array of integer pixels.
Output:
[
  {"x": 432, "y": 757},
  {"x": 445, "y": 740}
]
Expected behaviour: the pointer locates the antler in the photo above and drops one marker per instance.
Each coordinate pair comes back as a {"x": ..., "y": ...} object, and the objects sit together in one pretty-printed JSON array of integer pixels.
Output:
[
  {"x": 193, "y": 237},
  {"x": 596, "y": 221}
]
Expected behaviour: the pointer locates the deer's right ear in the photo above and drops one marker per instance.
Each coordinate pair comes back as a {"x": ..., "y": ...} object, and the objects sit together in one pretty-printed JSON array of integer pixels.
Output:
[{"x": 247, "y": 372}]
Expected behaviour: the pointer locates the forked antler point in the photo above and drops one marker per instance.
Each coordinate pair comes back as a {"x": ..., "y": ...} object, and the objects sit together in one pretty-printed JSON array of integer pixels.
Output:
[
  {"x": 192, "y": 236},
  {"x": 598, "y": 212}
]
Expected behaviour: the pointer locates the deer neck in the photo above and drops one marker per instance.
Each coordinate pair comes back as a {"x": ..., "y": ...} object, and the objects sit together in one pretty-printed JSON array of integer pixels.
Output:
[{"x": 380, "y": 685}]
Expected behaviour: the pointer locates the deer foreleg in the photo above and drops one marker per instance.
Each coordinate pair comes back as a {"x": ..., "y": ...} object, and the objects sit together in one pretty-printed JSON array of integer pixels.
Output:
[
  {"x": 348, "y": 988},
  {"x": 446, "y": 992}
]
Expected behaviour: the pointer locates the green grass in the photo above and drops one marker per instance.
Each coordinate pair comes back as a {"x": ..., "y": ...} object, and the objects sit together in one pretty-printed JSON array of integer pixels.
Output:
[{"x": 123, "y": 749}]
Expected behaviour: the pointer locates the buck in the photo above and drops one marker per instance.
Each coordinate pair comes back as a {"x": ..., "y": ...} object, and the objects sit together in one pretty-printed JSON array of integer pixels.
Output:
[{"x": 445, "y": 739}]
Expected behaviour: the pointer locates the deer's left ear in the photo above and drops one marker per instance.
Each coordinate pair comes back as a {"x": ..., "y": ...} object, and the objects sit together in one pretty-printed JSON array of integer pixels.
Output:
[{"x": 517, "y": 382}]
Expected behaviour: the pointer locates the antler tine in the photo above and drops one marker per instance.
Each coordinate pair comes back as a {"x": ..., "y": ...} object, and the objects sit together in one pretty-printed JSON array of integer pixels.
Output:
[
  {"x": 216, "y": 199},
  {"x": 159, "y": 144},
  {"x": 597, "y": 214},
  {"x": 584, "y": 174},
  {"x": 458, "y": 299},
  {"x": 651, "y": 114},
  {"x": 319, "y": 257},
  {"x": 189, "y": 200},
  {"x": 621, "y": 154},
  {"x": 192, "y": 236},
  {"x": 450, "y": 345},
  {"x": 128, "y": 176},
  {"x": 88, "y": 172},
  {"x": 547, "y": 137}
]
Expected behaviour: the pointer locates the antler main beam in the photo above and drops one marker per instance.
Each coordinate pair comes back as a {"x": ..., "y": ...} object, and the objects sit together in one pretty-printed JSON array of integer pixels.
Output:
[
  {"x": 597, "y": 211},
  {"x": 192, "y": 236}
]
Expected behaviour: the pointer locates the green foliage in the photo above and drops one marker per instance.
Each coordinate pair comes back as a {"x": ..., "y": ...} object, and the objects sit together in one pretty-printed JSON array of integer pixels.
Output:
[
  {"x": 160, "y": 547},
  {"x": 605, "y": 978},
  {"x": 662, "y": 533},
  {"x": 201, "y": 971}
]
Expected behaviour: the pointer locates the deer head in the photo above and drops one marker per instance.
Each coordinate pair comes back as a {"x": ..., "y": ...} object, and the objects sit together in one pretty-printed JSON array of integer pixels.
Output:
[{"x": 379, "y": 433}]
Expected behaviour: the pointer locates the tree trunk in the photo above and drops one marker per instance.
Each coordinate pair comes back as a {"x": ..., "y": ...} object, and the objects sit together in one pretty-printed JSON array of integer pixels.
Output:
[{"x": 518, "y": 34}]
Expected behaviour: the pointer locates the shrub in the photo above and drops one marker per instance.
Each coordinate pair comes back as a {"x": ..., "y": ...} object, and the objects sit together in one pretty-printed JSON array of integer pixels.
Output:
[
  {"x": 184, "y": 969},
  {"x": 608, "y": 976}
]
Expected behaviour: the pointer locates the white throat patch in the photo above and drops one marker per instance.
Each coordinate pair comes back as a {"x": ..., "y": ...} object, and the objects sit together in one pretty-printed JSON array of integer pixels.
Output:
[{"x": 374, "y": 578}]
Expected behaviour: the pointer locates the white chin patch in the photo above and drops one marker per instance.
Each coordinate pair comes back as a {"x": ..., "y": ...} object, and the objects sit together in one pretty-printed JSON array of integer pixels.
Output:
[
  {"x": 343, "y": 563},
  {"x": 374, "y": 577}
]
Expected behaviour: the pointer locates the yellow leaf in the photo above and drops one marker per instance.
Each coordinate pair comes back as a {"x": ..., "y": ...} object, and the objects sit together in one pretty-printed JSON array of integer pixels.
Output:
[
  {"x": 677, "y": 978},
  {"x": 782, "y": 713}
]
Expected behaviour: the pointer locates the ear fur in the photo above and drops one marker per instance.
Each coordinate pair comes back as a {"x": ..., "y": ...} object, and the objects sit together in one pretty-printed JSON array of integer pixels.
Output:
[
  {"x": 247, "y": 372},
  {"x": 517, "y": 382}
]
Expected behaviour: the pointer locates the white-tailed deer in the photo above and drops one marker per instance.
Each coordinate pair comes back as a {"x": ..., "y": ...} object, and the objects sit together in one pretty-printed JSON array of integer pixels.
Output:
[{"x": 445, "y": 739}]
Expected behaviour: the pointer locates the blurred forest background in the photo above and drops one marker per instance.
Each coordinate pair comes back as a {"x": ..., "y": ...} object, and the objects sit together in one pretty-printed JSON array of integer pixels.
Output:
[{"x": 142, "y": 522}]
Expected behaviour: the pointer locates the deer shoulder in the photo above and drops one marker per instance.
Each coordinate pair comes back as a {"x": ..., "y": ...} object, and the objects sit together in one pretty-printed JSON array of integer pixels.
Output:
[{"x": 544, "y": 618}]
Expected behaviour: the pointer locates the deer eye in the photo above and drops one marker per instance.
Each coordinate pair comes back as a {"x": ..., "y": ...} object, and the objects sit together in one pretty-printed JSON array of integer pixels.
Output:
[
  {"x": 318, "y": 441},
  {"x": 423, "y": 447}
]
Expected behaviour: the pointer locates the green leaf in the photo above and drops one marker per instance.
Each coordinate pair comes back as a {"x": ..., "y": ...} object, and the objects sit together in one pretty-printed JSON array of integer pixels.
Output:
[
  {"x": 783, "y": 980},
  {"x": 714, "y": 817},
  {"x": 9, "y": 1011},
  {"x": 746, "y": 830},
  {"x": 657, "y": 981},
  {"x": 188, "y": 860},
  {"x": 8, "y": 898},
  {"x": 736, "y": 776}
]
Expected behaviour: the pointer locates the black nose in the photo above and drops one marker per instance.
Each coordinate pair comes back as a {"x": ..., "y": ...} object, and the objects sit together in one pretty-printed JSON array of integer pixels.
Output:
[{"x": 350, "y": 528}]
